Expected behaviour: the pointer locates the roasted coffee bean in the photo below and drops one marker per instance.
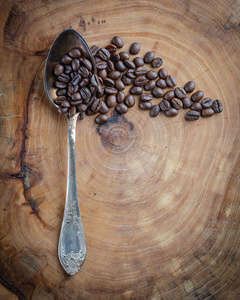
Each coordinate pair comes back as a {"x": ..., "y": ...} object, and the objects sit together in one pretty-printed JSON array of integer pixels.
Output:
[
  {"x": 76, "y": 79},
  {"x": 149, "y": 57},
  {"x": 169, "y": 95},
  {"x": 85, "y": 93},
  {"x": 172, "y": 112},
  {"x": 84, "y": 82},
  {"x": 100, "y": 65},
  {"x": 138, "y": 61},
  {"x": 76, "y": 96},
  {"x": 129, "y": 64},
  {"x": 103, "y": 54},
  {"x": 120, "y": 96},
  {"x": 92, "y": 88},
  {"x": 111, "y": 48},
  {"x": 104, "y": 108},
  {"x": 157, "y": 62},
  {"x": 120, "y": 66},
  {"x": 114, "y": 75},
  {"x": 197, "y": 96},
  {"x": 72, "y": 111},
  {"x": 66, "y": 59},
  {"x": 157, "y": 92},
  {"x": 64, "y": 78},
  {"x": 97, "y": 59},
  {"x": 110, "y": 66},
  {"x": 145, "y": 105},
  {"x": 89, "y": 112},
  {"x": 161, "y": 83},
  {"x": 101, "y": 119},
  {"x": 117, "y": 41},
  {"x": 131, "y": 74},
  {"x": 110, "y": 90},
  {"x": 189, "y": 86},
  {"x": 67, "y": 69},
  {"x": 75, "y": 64},
  {"x": 126, "y": 80},
  {"x": 62, "y": 110},
  {"x": 180, "y": 93},
  {"x": 207, "y": 112},
  {"x": 100, "y": 80},
  {"x": 140, "y": 71},
  {"x": 150, "y": 85},
  {"x": 124, "y": 55},
  {"x": 164, "y": 105},
  {"x": 87, "y": 64},
  {"x": 192, "y": 115},
  {"x": 72, "y": 74},
  {"x": 217, "y": 106},
  {"x": 75, "y": 53},
  {"x": 163, "y": 73},
  {"x": 75, "y": 103},
  {"x": 94, "y": 80},
  {"x": 61, "y": 92},
  {"x": 135, "y": 48},
  {"x": 176, "y": 103},
  {"x": 186, "y": 102},
  {"x": 100, "y": 91},
  {"x": 94, "y": 49},
  {"x": 151, "y": 75},
  {"x": 155, "y": 110},
  {"x": 146, "y": 97},
  {"x": 140, "y": 81},
  {"x": 171, "y": 81},
  {"x": 129, "y": 100},
  {"x": 59, "y": 69},
  {"x": 102, "y": 73},
  {"x": 70, "y": 88},
  {"x": 81, "y": 115},
  {"x": 96, "y": 105},
  {"x": 60, "y": 99},
  {"x": 81, "y": 107},
  {"x": 119, "y": 85},
  {"x": 83, "y": 71},
  {"x": 108, "y": 82},
  {"x": 196, "y": 106},
  {"x": 65, "y": 103},
  {"x": 60, "y": 85},
  {"x": 136, "y": 90},
  {"x": 206, "y": 103},
  {"x": 114, "y": 57},
  {"x": 121, "y": 108}
]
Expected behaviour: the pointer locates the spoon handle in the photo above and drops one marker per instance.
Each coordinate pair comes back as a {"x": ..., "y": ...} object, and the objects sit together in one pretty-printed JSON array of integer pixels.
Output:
[{"x": 72, "y": 244}]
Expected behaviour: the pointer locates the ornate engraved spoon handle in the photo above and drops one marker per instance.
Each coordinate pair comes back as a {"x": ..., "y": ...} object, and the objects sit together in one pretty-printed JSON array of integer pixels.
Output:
[{"x": 72, "y": 243}]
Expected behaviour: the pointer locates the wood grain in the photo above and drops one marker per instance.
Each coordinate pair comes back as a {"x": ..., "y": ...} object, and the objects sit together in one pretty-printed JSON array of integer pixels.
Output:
[{"x": 159, "y": 197}]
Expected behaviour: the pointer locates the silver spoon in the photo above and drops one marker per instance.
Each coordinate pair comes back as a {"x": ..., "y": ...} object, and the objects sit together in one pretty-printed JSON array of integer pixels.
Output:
[{"x": 72, "y": 244}]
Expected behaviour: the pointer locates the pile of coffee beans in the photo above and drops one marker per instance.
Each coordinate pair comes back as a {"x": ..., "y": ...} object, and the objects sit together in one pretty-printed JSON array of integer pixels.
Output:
[{"x": 118, "y": 71}]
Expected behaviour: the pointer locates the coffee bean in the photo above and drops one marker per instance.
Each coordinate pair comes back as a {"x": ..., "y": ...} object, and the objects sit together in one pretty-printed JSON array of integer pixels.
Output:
[
  {"x": 104, "y": 108},
  {"x": 196, "y": 106},
  {"x": 131, "y": 74},
  {"x": 207, "y": 112},
  {"x": 111, "y": 48},
  {"x": 94, "y": 80},
  {"x": 140, "y": 81},
  {"x": 81, "y": 107},
  {"x": 119, "y": 85},
  {"x": 96, "y": 105},
  {"x": 145, "y": 105},
  {"x": 135, "y": 48},
  {"x": 75, "y": 53},
  {"x": 172, "y": 112},
  {"x": 155, "y": 110},
  {"x": 72, "y": 74},
  {"x": 157, "y": 62},
  {"x": 176, "y": 103},
  {"x": 101, "y": 119},
  {"x": 140, "y": 71},
  {"x": 197, "y": 96},
  {"x": 120, "y": 66},
  {"x": 89, "y": 112},
  {"x": 149, "y": 57},
  {"x": 85, "y": 93},
  {"x": 180, "y": 93},
  {"x": 84, "y": 82},
  {"x": 97, "y": 59},
  {"x": 61, "y": 92},
  {"x": 76, "y": 79},
  {"x": 124, "y": 55},
  {"x": 157, "y": 92},
  {"x": 81, "y": 116},
  {"x": 150, "y": 85},
  {"x": 64, "y": 78},
  {"x": 138, "y": 61},
  {"x": 146, "y": 97},
  {"x": 120, "y": 96},
  {"x": 171, "y": 81},
  {"x": 72, "y": 111},
  {"x": 59, "y": 69},
  {"x": 114, "y": 57},
  {"x": 76, "y": 96},
  {"x": 136, "y": 90},
  {"x": 161, "y": 83},
  {"x": 83, "y": 71},
  {"x": 66, "y": 59},
  {"x": 189, "y": 86},
  {"x": 129, "y": 64},
  {"x": 164, "y": 105},
  {"x": 87, "y": 64},
  {"x": 94, "y": 49},
  {"x": 129, "y": 100},
  {"x": 92, "y": 88},
  {"x": 65, "y": 103},
  {"x": 110, "y": 66},
  {"x": 206, "y": 103},
  {"x": 126, "y": 80},
  {"x": 121, "y": 108},
  {"x": 163, "y": 73},
  {"x": 114, "y": 75},
  {"x": 117, "y": 41},
  {"x": 60, "y": 99},
  {"x": 63, "y": 110},
  {"x": 151, "y": 75},
  {"x": 169, "y": 95},
  {"x": 100, "y": 91},
  {"x": 110, "y": 90},
  {"x": 70, "y": 88},
  {"x": 108, "y": 82},
  {"x": 217, "y": 106},
  {"x": 103, "y": 54},
  {"x": 102, "y": 73},
  {"x": 192, "y": 115},
  {"x": 60, "y": 85},
  {"x": 186, "y": 102},
  {"x": 75, "y": 64},
  {"x": 111, "y": 100},
  {"x": 67, "y": 69},
  {"x": 101, "y": 65}
]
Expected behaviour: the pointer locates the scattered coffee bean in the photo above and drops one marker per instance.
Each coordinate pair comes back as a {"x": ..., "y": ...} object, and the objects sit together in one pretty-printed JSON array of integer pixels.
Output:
[
  {"x": 157, "y": 62},
  {"x": 110, "y": 90},
  {"x": 140, "y": 81},
  {"x": 176, "y": 103},
  {"x": 172, "y": 112},
  {"x": 75, "y": 64},
  {"x": 124, "y": 55},
  {"x": 146, "y": 97},
  {"x": 111, "y": 100},
  {"x": 150, "y": 85},
  {"x": 197, "y": 96},
  {"x": 94, "y": 49},
  {"x": 114, "y": 57},
  {"x": 149, "y": 57},
  {"x": 161, "y": 83},
  {"x": 75, "y": 53},
  {"x": 217, "y": 106},
  {"x": 163, "y": 73},
  {"x": 192, "y": 115},
  {"x": 77, "y": 78},
  {"x": 121, "y": 108},
  {"x": 140, "y": 71},
  {"x": 129, "y": 64},
  {"x": 155, "y": 110},
  {"x": 103, "y": 54},
  {"x": 81, "y": 115},
  {"x": 164, "y": 105},
  {"x": 64, "y": 78},
  {"x": 189, "y": 87},
  {"x": 135, "y": 48},
  {"x": 101, "y": 119},
  {"x": 207, "y": 112},
  {"x": 65, "y": 103},
  {"x": 120, "y": 96},
  {"x": 110, "y": 66},
  {"x": 196, "y": 106},
  {"x": 60, "y": 85},
  {"x": 81, "y": 107},
  {"x": 61, "y": 92},
  {"x": 59, "y": 69},
  {"x": 180, "y": 93},
  {"x": 111, "y": 48},
  {"x": 171, "y": 81},
  {"x": 119, "y": 85},
  {"x": 102, "y": 73},
  {"x": 138, "y": 61},
  {"x": 120, "y": 66},
  {"x": 206, "y": 103},
  {"x": 126, "y": 80},
  {"x": 66, "y": 59},
  {"x": 62, "y": 110},
  {"x": 115, "y": 75},
  {"x": 104, "y": 108},
  {"x": 129, "y": 100},
  {"x": 145, "y": 105},
  {"x": 76, "y": 96},
  {"x": 186, "y": 102},
  {"x": 67, "y": 69},
  {"x": 131, "y": 74},
  {"x": 157, "y": 92},
  {"x": 109, "y": 82},
  {"x": 169, "y": 95},
  {"x": 101, "y": 65},
  {"x": 117, "y": 41},
  {"x": 151, "y": 75},
  {"x": 96, "y": 105},
  {"x": 136, "y": 90}
]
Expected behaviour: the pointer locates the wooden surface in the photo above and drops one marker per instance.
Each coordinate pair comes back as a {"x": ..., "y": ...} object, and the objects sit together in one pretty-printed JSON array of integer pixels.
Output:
[{"x": 159, "y": 197}]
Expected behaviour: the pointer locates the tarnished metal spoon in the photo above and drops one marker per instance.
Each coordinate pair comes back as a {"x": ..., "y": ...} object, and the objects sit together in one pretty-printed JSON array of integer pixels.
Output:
[{"x": 72, "y": 244}]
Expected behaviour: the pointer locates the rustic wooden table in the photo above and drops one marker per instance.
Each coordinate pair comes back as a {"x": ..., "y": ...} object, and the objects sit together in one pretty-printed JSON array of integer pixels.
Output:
[{"x": 159, "y": 197}]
